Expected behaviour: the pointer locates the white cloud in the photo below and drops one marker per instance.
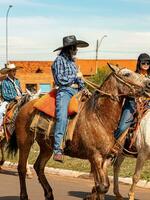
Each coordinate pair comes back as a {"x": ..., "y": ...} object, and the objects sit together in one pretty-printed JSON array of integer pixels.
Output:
[{"x": 35, "y": 38}]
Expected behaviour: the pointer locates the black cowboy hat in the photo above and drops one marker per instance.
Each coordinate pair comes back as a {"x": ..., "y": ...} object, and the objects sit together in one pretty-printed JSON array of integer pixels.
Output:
[
  {"x": 143, "y": 57},
  {"x": 71, "y": 40}
]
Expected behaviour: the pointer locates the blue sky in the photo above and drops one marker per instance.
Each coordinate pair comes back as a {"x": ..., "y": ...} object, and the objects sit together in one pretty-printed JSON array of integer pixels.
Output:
[{"x": 36, "y": 28}]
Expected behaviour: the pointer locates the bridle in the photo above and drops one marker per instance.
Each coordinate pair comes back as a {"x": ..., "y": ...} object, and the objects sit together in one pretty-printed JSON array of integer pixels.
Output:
[{"x": 96, "y": 87}]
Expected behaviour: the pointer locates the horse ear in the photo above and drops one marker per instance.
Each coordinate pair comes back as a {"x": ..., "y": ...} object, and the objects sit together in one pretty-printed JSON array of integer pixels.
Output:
[
  {"x": 114, "y": 68},
  {"x": 28, "y": 92}
]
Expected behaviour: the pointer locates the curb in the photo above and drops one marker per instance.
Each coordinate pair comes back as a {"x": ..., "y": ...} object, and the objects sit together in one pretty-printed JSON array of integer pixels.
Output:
[{"x": 76, "y": 174}]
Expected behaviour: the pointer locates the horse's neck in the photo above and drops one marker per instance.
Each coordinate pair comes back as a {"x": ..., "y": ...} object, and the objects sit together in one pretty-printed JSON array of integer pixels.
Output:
[
  {"x": 143, "y": 136},
  {"x": 109, "y": 110}
]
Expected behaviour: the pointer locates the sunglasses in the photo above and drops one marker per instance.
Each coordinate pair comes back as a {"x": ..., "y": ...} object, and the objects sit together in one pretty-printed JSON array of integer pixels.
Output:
[{"x": 145, "y": 63}]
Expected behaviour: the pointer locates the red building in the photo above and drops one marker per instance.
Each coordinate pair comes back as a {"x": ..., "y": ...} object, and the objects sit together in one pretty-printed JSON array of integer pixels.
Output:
[{"x": 36, "y": 75}]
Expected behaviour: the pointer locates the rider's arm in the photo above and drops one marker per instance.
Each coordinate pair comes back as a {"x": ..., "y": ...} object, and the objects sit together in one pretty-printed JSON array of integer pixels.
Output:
[{"x": 63, "y": 71}]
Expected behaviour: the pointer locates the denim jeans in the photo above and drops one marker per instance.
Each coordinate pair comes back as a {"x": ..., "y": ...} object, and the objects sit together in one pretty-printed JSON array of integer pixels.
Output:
[
  {"x": 63, "y": 97},
  {"x": 127, "y": 117}
]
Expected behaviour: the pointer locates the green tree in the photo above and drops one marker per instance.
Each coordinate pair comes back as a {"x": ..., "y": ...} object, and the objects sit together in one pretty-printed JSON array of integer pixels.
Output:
[{"x": 99, "y": 77}]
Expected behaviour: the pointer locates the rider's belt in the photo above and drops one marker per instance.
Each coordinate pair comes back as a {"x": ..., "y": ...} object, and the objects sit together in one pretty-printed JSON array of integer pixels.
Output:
[{"x": 74, "y": 85}]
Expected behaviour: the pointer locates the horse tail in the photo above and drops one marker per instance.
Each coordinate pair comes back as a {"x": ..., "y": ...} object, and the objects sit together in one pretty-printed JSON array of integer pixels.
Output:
[{"x": 12, "y": 147}]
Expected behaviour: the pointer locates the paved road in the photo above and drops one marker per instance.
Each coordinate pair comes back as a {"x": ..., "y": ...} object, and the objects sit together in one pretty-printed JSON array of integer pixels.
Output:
[{"x": 65, "y": 188}]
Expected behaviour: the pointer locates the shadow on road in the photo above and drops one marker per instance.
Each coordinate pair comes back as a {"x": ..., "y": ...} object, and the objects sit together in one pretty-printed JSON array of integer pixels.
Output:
[
  {"x": 7, "y": 172},
  {"x": 81, "y": 195},
  {"x": 9, "y": 198},
  {"x": 78, "y": 194}
]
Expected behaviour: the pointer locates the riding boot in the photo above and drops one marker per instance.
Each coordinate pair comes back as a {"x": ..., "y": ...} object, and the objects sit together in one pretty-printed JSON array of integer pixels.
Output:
[{"x": 119, "y": 143}]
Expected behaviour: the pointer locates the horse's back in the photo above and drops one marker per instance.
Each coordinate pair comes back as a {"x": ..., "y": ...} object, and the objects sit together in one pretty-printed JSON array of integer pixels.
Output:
[{"x": 25, "y": 112}]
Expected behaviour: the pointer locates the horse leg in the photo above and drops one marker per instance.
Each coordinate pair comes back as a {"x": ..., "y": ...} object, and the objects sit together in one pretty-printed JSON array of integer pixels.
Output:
[
  {"x": 116, "y": 169},
  {"x": 2, "y": 143},
  {"x": 23, "y": 156},
  {"x": 44, "y": 156},
  {"x": 29, "y": 173},
  {"x": 139, "y": 165},
  {"x": 100, "y": 178}
]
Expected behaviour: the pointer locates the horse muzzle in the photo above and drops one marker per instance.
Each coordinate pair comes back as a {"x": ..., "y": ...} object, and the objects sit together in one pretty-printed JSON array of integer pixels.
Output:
[{"x": 146, "y": 89}]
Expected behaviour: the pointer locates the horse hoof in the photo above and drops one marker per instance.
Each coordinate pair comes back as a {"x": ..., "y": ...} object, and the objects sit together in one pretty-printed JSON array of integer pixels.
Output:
[
  {"x": 51, "y": 198},
  {"x": 90, "y": 197},
  {"x": 2, "y": 162}
]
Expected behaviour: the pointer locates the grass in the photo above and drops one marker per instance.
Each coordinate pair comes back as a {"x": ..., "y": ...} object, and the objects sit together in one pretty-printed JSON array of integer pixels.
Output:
[{"x": 127, "y": 168}]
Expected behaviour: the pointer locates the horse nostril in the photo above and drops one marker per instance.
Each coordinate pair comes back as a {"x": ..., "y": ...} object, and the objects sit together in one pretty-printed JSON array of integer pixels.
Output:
[
  {"x": 147, "y": 90},
  {"x": 148, "y": 84}
]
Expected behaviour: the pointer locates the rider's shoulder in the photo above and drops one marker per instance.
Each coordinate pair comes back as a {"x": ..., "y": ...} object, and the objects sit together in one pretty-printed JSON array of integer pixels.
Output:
[
  {"x": 5, "y": 80},
  {"x": 60, "y": 59}
]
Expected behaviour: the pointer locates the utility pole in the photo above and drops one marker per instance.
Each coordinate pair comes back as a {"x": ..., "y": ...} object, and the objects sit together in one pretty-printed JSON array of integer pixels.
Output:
[
  {"x": 98, "y": 44},
  {"x": 10, "y": 6},
  {"x": 96, "y": 49}
]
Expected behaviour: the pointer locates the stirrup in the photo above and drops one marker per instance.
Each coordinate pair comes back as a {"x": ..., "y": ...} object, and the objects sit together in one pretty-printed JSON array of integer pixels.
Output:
[{"x": 118, "y": 146}]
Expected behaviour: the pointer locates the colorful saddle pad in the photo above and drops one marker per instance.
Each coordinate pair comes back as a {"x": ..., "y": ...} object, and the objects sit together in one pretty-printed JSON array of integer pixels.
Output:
[{"x": 47, "y": 104}]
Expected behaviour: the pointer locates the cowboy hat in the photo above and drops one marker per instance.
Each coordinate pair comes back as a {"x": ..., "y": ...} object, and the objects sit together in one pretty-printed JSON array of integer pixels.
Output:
[
  {"x": 9, "y": 67},
  {"x": 71, "y": 40}
]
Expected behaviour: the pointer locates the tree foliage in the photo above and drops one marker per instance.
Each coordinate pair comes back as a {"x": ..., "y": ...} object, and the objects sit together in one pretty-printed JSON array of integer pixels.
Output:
[{"x": 99, "y": 77}]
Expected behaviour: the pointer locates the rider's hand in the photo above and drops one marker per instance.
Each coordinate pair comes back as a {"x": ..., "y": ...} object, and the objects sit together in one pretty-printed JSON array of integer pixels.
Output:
[
  {"x": 79, "y": 75},
  {"x": 86, "y": 92},
  {"x": 17, "y": 98}
]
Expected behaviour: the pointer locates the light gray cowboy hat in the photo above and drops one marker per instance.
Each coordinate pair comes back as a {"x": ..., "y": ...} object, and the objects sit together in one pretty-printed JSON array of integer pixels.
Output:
[
  {"x": 71, "y": 40},
  {"x": 9, "y": 67}
]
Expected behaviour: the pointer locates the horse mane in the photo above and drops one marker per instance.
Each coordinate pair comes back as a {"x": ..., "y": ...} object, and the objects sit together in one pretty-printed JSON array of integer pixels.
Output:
[
  {"x": 103, "y": 107},
  {"x": 107, "y": 77},
  {"x": 91, "y": 104}
]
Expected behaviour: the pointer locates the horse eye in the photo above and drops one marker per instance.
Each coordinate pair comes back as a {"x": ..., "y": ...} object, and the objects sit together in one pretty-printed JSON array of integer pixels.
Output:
[{"x": 127, "y": 74}]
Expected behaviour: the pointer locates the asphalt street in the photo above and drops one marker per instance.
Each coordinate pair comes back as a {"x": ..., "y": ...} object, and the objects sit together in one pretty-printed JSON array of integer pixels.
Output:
[{"x": 64, "y": 188}]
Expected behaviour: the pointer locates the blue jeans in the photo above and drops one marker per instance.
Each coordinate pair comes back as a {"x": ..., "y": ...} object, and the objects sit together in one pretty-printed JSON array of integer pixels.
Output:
[
  {"x": 63, "y": 97},
  {"x": 127, "y": 117}
]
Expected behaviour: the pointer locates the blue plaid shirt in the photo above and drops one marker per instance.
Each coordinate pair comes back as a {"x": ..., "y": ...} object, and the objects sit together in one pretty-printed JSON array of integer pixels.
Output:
[
  {"x": 65, "y": 72},
  {"x": 9, "y": 92}
]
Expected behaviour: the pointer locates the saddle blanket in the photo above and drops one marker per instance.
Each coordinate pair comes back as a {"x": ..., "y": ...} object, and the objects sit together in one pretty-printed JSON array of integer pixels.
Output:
[{"x": 47, "y": 104}]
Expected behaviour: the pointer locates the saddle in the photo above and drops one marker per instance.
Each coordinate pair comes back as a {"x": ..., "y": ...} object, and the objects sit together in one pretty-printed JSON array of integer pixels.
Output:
[
  {"x": 44, "y": 115},
  {"x": 126, "y": 142},
  {"x": 11, "y": 114},
  {"x": 47, "y": 104}
]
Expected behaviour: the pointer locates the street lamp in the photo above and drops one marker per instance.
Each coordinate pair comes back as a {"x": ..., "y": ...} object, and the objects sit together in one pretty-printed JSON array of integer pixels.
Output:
[
  {"x": 98, "y": 44},
  {"x": 10, "y": 6}
]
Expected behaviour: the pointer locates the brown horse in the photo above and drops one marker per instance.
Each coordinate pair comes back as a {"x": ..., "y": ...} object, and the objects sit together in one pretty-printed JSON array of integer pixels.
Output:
[
  {"x": 93, "y": 133},
  {"x": 3, "y": 141}
]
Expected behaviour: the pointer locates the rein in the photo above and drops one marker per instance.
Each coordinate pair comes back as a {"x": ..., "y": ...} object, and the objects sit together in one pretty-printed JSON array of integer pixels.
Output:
[
  {"x": 96, "y": 87},
  {"x": 113, "y": 97}
]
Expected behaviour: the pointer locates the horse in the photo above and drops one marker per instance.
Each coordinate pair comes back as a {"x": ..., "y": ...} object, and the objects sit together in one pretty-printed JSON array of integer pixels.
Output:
[
  {"x": 142, "y": 144},
  {"x": 93, "y": 133},
  {"x": 28, "y": 96}
]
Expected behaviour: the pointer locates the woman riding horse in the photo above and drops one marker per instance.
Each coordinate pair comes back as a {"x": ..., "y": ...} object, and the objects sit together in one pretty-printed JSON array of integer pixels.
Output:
[
  {"x": 142, "y": 139},
  {"x": 68, "y": 80},
  {"x": 129, "y": 108}
]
